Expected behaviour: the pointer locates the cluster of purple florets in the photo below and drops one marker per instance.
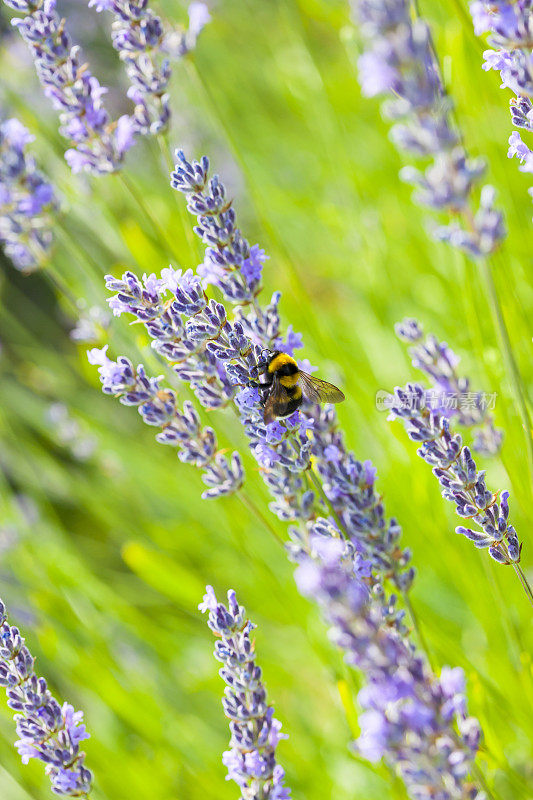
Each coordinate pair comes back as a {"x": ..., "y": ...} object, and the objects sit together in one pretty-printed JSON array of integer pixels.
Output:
[
  {"x": 98, "y": 145},
  {"x": 399, "y": 62},
  {"x": 180, "y": 428},
  {"x": 48, "y": 732},
  {"x": 510, "y": 25},
  {"x": 255, "y": 733},
  {"x": 26, "y": 200},
  {"x": 413, "y": 719},
  {"x": 138, "y": 36},
  {"x": 460, "y": 480},
  {"x": 451, "y": 393}
]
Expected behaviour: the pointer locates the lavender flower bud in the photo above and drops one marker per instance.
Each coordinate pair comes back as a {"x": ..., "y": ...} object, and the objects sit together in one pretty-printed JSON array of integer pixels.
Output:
[
  {"x": 180, "y": 43},
  {"x": 182, "y": 429},
  {"x": 255, "y": 733},
  {"x": 230, "y": 263}
]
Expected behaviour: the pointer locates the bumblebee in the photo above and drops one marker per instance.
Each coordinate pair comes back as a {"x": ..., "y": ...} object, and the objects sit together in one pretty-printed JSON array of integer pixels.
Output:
[{"x": 286, "y": 387}]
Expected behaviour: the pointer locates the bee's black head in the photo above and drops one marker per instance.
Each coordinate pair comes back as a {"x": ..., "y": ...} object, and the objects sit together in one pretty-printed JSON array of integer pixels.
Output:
[{"x": 266, "y": 357}]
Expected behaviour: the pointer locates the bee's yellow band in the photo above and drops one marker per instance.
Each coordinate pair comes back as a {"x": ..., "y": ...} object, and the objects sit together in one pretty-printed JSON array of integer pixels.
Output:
[
  {"x": 279, "y": 361},
  {"x": 290, "y": 380}
]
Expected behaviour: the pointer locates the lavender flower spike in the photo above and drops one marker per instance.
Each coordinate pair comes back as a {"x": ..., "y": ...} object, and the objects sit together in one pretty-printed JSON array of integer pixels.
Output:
[
  {"x": 98, "y": 145},
  {"x": 255, "y": 733},
  {"x": 138, "y": 36},
  {"x": 399, "y": 61},
  {"x": 27, "y": 200},
  {"x": 48, "y": 731},
  {"x": 412, "y": 718},
  {"x": 451, "y": 394},
  {"x": 511, "y": 28},
  {"x": 182, "y": 429},
  {"x": 459, "y": 478}
]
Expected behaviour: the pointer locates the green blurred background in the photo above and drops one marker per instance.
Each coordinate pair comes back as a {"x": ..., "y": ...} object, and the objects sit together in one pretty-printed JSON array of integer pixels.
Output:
[{"x": 105, "y": 546}]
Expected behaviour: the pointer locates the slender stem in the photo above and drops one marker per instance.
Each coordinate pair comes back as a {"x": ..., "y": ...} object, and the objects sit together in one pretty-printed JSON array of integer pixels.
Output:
[
  {"x": 316, "y": 481},
  {"x": 524, "y": 581},
  {"x": 185, "y": 220},
  {"x": 160, "y": 233},
  {"x": 414, "y": 619},
  {"x": 512, "y": 367},
  {"x": 61, "y": 287},
  {"x": 251, "y": 506},
  {"x": 83, "y": 255}
]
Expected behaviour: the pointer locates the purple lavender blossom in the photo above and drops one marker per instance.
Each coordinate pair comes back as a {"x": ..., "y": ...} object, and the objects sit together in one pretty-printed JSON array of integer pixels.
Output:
[
  {"x": 230, "y": 263},
  {"x": 459, "y": 478},
  {"x": 27, "y": 200},
  {"x": 48, "y": 732},
  {"x": 138, "y": 37},
  {"x": 182, "y": 429},
  {"x": 412, "y": 718},
  {"x": 399, "y": 61},
  {"x": 255, "y": 733},
  {"x": 98, "y": 145},
  {"x": 451, "y": 394},
  {"x": 511, "y": 27},
  {"x": 180, "y": 43}
]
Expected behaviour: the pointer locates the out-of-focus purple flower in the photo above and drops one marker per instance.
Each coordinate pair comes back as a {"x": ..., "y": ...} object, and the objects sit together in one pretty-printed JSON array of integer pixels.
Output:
[
  {"x": 399, "y": 61},
  {"x": 98, "y": 145},
  {"x": 451, "y": 394},
  {"x": 457, "y": 473},
  {"x": 180, "y": 43},
  {"x": 199, "y": 16},
  {"x": 48, "y": 732},
  {"x": 413, "y": 719},
  {"x": 255, "y": 733},
  {"x": 90, "y": 324},
  {"x": 292, "y": 341},
  {"x": 511, "y": 34},
  {"x": 27, "y": 200}
]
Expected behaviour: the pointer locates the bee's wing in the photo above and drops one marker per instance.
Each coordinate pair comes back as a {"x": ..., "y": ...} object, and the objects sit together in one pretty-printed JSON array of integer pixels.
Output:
[
  {"x": 276, "y": 396},
  {"x": 318, "y": 391}
]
